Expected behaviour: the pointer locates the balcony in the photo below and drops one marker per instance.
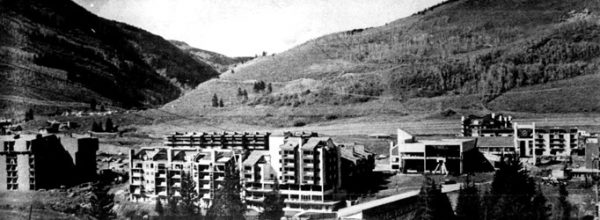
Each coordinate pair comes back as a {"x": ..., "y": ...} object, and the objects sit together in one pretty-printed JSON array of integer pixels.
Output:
[
  {"x": 136, "y": 183},
  {"x": 288, "y": 156},
  {"x": 309, "y": 173},
  {"x": 136, "y": 174},
  {"x": 309, "y": 165}
]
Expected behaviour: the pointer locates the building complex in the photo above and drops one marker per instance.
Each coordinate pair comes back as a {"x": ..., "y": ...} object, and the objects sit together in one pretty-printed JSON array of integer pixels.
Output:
[
  {"x": 490, "y": 125},
  {"x": 442, "y": 156},
  {"x": 31, "y": 162},
  {"x": 532, "y": 141}
]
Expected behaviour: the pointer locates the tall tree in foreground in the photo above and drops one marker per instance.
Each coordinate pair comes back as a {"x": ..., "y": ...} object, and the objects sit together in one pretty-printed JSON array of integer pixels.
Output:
[
  {"x": 565, "y": 206},
  {"x": 513, "y": 194},
  {"x": 101, "y": 202},
  {"x": 189, "y": 196},
  {"x": 468, "y": 206},
  {"x": 227, "y": 203},
  {"x": 432, "y": 204},
  {"x": 158, "y": 208},
  {"x": 272, "y": 205}
]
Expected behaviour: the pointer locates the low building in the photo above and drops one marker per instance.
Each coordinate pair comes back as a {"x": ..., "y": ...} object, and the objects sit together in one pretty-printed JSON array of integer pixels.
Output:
[
  {"x": 490, "y": 125},
  {"x": 31, "y": 162},
  {"x": 442, "y": 156},
  {"x": 157, "y": 173},
  {"x": 544, "y": 141},
  {"x": 231, "y": 140},
  {"x": 307, "y": 169},
  {"x": 496, "y": 145}
]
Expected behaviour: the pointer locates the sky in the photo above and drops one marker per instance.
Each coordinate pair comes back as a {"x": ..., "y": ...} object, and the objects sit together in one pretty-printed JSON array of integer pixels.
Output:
[{"x": 248, "y": 27}]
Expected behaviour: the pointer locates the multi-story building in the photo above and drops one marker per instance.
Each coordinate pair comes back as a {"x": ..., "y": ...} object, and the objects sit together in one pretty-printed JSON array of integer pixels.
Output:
[
  {"x": 357, "y": 164},
  {"x": 31, "y": 162},
  {"x": 157, "y": 173},
  {"x": 490, "y": 125},
  {"x": 545, "y": 141},
  {"x": 307, "y": 169},
  {"x": 441, "y": 156},
  {"x": 231, "y": 140}
]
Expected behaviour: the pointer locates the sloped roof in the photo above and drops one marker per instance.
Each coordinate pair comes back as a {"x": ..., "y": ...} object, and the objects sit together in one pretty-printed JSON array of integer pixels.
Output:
[
  {"x": 254, "y": 157},
  {"x": 290, "y": 143},
  {"x": 495, "y": 141},
  {"x": 313, "y": 142}
]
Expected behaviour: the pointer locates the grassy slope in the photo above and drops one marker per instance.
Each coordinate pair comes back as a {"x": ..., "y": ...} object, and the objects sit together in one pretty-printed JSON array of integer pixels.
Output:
[
  {"x": 58, "y": 52},
  {"x": 397, "y": 64}
]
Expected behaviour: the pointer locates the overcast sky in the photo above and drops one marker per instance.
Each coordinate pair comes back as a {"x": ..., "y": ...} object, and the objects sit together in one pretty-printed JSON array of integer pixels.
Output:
[{"x": 248, "y": 27}]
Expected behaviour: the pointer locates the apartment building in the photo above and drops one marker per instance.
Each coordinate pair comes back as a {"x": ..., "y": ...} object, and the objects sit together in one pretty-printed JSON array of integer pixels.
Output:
[
  {"x": 307, "y": 169},
  {"x": 157, "y": 173},
  {"x": 544, "y": 141},
  {"x": 31, "y": 162},
  {"x": 442, "y": 156},
  {"x": 357, "y": 164},
  {"x": 490, "y": 125},
  {"x": 496, "y": 145},
  {"x": 229, "y": 140}
]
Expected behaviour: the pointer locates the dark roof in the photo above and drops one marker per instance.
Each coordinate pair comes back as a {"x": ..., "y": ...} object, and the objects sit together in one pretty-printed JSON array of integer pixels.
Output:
[{"x": 495, "y": 141}]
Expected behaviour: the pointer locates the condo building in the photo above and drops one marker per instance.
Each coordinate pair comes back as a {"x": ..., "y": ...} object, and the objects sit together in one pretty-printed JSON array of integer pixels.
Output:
[
  {"x": 32, "y": 162},
  {"x": 306, "y": 168},
  {"x": 442, "y": 156},
  {"x": 157, "y": 173},
  {"x": 229, "y": 140},
  {"x": 544, "y": 141},
  {"x": 490, "y": 125}
]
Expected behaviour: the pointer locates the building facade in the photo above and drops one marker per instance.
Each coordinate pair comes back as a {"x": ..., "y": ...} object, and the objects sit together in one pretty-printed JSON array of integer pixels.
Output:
[
  {"x": 442, "y": 156},
  {"x": 31, "y": 162},
  {"x": 490, "y": 125},
  {"x": 544, "y": 141},
  {"x": 306, "y": 168},
  {"x": 230, "y": 140},
  {"x": 157, "y": 173}
]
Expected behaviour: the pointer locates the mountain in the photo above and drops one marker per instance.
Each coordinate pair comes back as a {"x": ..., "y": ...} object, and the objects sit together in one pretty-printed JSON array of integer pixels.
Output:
[
  {"x": 55, "y": 55},
  {"x": 500, "y": 55},
  {"x": 218, "y": 61}
]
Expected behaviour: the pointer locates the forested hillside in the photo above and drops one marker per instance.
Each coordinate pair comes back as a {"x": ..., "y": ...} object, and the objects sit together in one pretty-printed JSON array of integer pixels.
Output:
[
  {"x": 482, "y": 48},
  {"x": 56, "y": 55}
]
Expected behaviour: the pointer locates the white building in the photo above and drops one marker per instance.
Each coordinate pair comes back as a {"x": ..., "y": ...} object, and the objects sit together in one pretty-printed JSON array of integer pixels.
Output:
[{"x": 442, "y": 156}]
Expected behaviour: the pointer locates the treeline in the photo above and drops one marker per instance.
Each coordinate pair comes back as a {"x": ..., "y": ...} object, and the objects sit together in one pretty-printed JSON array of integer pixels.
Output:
[
  {"x": 513, "y": 195},
  {"x": 552, "y": 58}
]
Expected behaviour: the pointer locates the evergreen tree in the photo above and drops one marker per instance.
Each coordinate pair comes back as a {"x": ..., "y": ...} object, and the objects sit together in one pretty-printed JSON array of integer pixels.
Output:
[
  {"x": 215, "y": 101},
  {"x": 172, "y": 202},
  {"x": 158, "y": 208},
  {"x": 227, "y": 203},
  {"x": 93, "y": 104},
  {"x": 108, "y": 125},
  {"x": 29, "y": 115},
  {"x": 512, "y": 193},
  {"x": 269, "y": 88},
  {"x": 189, "y": 196},
  {"x": 272, "y": 205},
  {"x": 101, "y": 202},
  {"x": 432, "y": 204},
  {"x": 239, "y": 92},
  {"x": 245, "y": 94},
  {"x": 221, "y": 103},
  {"x": 565, "y": 206},
  {"x": 255, "y": 87},
  {"x": 96, "y": 127},
  {"x": 539, "y": 208},
  {"x": 468, "y": 206}
]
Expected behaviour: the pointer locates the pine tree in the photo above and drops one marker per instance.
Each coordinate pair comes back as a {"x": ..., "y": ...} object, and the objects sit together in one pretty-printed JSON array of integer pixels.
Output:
[
  {"x": 539, "y": 208},
  {"x": 239, "y": 92},
  {"x": 96, "y": 127},
  {"x": 468, "y": 206},
  {"x": 108, "y": 125},
  {"x": 563, "y": 202},
  {"x": 227, "y": 203},
  {"x": 221, "y": 103},
  {"x": 158, "y": 208},
  {"x": 269, "y": 88},
  {"x": 29, "y": 115},
  {"x": 101, "y": 202},
  {"x": 173, "y": 207},
  {"x": 189, "y": 195},
  {"x": 512, "y": 193},
  {"x": 432, "y": 203},
  {"x": 215, "y": 101},
  {"x": 272, "y": 205}
]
